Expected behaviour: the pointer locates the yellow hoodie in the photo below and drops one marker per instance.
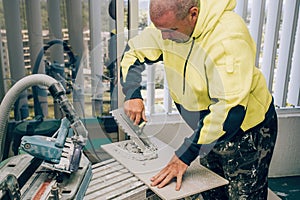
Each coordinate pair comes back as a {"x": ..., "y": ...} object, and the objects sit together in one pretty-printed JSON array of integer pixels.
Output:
[{"x": 219, "y": 73}]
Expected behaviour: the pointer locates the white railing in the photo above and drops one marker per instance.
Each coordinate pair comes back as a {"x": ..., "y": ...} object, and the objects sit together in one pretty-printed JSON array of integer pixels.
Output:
[{"x": 275, "y": 27}]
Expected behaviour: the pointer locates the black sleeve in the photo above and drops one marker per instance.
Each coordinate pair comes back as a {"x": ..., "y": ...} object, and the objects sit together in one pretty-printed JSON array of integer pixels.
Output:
[
  {"x": 131, "y": 87},
  {"x": 189, "y": 150}
]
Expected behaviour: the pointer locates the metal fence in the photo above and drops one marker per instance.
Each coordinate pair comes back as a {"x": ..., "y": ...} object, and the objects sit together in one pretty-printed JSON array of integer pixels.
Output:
[{"x": 274, "y": 25}]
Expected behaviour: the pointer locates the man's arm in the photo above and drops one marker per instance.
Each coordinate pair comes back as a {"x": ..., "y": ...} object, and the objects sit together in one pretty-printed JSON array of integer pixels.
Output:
[{"x": 141, "y": 49}]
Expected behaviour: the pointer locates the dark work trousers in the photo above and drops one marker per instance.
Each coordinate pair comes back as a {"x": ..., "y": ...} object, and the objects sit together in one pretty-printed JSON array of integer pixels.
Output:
[{"x": 244, "y": 161}]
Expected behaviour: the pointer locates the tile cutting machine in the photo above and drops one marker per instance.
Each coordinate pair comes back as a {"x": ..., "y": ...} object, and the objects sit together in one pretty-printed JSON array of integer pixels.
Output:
[{"x": 48, "y": 167}]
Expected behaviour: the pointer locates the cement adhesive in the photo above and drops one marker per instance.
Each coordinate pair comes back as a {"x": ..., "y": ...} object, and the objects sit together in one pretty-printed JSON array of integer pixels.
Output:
[{"x": 130, "y": 150}]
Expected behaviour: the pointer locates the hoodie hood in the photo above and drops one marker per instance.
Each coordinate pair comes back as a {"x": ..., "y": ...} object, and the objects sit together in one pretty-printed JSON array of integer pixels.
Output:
[{"x": 209, "y": 14}]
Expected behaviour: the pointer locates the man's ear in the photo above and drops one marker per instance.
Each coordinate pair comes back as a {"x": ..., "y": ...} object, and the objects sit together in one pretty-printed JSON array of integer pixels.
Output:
[{"x": 194, "y": 11}]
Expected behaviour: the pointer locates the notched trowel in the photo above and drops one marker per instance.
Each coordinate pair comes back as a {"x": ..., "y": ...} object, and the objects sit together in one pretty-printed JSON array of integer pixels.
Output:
[{"x": 142, "y": 141}]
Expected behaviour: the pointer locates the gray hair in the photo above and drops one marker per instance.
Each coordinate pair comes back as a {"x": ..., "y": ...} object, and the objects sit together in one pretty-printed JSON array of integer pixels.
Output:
[{"x": 179, "y": 7}]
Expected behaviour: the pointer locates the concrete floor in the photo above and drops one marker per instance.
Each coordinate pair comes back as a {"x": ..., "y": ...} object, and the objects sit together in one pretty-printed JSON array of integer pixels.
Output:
[{"x": 287, "y": 188}]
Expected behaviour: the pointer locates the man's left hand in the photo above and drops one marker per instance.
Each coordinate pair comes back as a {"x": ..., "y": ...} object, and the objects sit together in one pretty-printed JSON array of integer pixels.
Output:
[{"x": 175, "y": 169}]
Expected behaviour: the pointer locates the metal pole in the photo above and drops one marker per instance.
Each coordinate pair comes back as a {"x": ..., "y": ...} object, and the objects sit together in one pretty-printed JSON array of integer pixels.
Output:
[
  {"x": 55, "y": 32},
  {"x": 256, "y": 25},
  {"x": 167, "y": 97},
  {"x": 35, "y": 35},
  {"x": 271, "y": 41},
  {"x": 133, "y": 17},
  {"x": 150, "y": 88},
  {"x": 242, "y": 8},
  {"x": 15, "y": 53},
  {"x": 2, "y": 73},
  {"x": 287, "y": 39},
  {"x": 120, "y": 45},
  {"x": 96, "y": 56},
  {"x": 294, "y": 86},
  {"x": 112, "y": 56},
  {"x": 120, "y": 39},
  {"x": 74, "y": 19}
]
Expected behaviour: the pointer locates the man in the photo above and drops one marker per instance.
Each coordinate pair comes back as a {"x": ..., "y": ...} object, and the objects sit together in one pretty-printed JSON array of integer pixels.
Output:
[{"x": 209, "y": 59}]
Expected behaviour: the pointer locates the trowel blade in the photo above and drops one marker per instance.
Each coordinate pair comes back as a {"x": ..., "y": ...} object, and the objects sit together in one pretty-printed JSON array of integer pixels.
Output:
[{"x": 128, "y": 127}]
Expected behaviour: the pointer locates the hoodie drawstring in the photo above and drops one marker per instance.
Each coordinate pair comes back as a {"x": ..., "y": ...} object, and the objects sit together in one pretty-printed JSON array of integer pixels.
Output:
[{"x": 185, "y": 64}]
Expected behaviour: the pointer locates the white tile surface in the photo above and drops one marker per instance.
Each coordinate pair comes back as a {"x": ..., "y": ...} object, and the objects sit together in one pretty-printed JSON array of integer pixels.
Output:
[{"x": 197, "y": 178}]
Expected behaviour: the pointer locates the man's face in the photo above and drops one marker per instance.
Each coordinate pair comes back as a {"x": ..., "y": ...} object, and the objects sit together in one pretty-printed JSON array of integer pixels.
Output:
[{"x": 173, "y": 29}]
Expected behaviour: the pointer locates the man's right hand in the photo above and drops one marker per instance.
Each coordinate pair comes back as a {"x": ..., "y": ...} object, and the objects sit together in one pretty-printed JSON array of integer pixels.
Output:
[{"x": 135, "y": 110}]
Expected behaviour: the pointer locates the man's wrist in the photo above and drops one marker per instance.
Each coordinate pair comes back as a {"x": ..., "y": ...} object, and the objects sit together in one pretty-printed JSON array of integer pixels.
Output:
[
  {"x": 133, "y": 94},
  {"x": 187, "y": 152}
]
